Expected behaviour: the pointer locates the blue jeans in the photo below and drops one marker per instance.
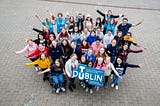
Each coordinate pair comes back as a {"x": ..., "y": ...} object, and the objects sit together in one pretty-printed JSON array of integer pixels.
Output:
[
  {"x": 113, "y": 59},
  {"x": 116, "y": 80},
  {"x": 58, "y": 80}
]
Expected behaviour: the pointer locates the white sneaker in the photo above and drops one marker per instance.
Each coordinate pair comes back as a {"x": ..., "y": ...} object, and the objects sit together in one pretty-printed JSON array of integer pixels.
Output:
[
  {"x": 63, "y": 89},
  {"x": 112, "y": 85},
  {"x": 36, "y": 68},
  {"x": 91, "y": 91},
  {"x": 57, "y": 91},
  {"x": 116, "y": 87},
  {"x": 83, "y": 86},
  {"x": 87, "y": 89}
]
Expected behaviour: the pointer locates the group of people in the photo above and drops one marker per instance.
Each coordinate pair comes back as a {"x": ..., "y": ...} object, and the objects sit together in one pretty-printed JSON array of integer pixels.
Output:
[{"x": 80, "y": 40}]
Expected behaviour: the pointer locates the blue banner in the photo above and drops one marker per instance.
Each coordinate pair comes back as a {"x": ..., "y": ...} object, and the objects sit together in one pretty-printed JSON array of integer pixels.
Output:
[{"x": 93, "y": 75}]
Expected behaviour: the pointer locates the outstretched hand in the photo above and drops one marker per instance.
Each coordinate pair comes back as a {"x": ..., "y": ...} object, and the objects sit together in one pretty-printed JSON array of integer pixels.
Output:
[
  {"x": 40, "y": 73},
  {"x": 141, "y": 65}
]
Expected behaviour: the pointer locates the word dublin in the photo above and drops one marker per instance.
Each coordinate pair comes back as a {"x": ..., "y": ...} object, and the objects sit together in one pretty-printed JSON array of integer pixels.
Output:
[{"x": 93, "y": 75}]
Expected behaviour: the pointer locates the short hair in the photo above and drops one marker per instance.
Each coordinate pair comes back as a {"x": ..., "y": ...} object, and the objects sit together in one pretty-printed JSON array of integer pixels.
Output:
[{"x": 125, "y": 19}]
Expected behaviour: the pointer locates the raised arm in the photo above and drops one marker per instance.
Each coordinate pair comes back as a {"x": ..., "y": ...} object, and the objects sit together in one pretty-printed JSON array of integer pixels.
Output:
[
  {"x": 102, "y": 14},
  {"x": 136, "y": 24},
  {"x": 132, "y": 65},
  {"x": 32, "y": 63},
  {"x": 39, "y": 18},
  {"x": 52, "y": 16},
  {"x": 21, "y": 51}
]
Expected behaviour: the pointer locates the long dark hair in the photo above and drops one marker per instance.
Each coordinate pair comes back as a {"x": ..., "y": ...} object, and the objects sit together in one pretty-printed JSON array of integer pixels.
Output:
[
  {"x": 100, "y": 22},
  {"x": 87, "y": 45},
  {"x": 116, "y": 64},
  {"x": 61, "y": 64},
  {"x": 65, "y": 47}
]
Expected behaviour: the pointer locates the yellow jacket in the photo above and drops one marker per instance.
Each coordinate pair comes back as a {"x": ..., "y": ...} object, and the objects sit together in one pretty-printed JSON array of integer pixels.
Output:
[
  {"x": 129, "y": 39},
  {"x": 41, "y": 63}
]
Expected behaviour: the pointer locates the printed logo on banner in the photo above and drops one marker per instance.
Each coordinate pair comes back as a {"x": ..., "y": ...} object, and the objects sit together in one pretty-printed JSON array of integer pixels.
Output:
[{"x": 93, "y": 75}]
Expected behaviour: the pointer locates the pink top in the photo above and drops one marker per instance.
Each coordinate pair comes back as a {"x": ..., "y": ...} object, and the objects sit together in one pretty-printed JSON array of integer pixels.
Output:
[
  {"x": 29, "y": 49},
  {"x": 102, "y": 67},
  {"x": 96, "y": 47}
]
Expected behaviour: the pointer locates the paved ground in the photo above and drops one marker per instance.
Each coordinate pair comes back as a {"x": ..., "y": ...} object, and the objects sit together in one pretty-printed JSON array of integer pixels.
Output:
[{"x": 21, "y": 86}]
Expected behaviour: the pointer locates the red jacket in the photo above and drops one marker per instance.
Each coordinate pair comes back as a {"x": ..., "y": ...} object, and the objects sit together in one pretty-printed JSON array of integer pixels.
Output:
[{"x": 38, "y": 52}]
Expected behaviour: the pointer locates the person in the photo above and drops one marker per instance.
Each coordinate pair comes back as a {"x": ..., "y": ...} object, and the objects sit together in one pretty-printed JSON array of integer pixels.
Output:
[
  {"x": 75, "y": 36},
  {"x": 121, "y": 68},
  {"x": 101, "y": 53},
  {"x": 109, "y": 69},
  {"x": 92, "y": 37},
  {"x": 124, "y": 51},
  {"x": 90, "y": 55},
  {"x": 79, "y": 21},
  {"x": 41, "y": 40},
  {"x": 57, "y": 75},
  {"x": 44, "y": 63},
  {"x": 88, "y": 86},
  {"x": 118, "y": 38},
  {"x": 71, "y": 25},
  {"x": 63, "y": 34},
  {"x": 99, "y": 64},
  {"x": 96, "y": 45},
  {"x": 66, "y": 50},
  {"x": 84, "y": 34},
  {"x": 83, "y": 61},
  {"x": 38, "y": 51},
  {"x": 60, "y": 21},
  {"x": 52, "y": 37},
  {"x": 88, "y": 23},
  {"x": 111, "y": 25},
  {"x": 125, "y": 26},
  {"x": 71, "y": 64},
  {"x": 107, "y": 38},
  {"x": 99, "y": 33},
  {"x": 112, "y": 50},
  {"x": 55, "y": 51},
  {"x": 48, "y": 23},
  {"x": 75, "y": 49},
  {"x": 108, "y": 16},
  {"x": 128, "y": 39},
  {"x": 98, "y": 23},
  {"x": 83, "y": 47},
  {"x": 30, "y": 48}
]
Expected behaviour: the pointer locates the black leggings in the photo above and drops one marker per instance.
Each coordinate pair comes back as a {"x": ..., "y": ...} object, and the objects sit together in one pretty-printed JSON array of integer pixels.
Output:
[
  {"x": 71, "y": 82},
  {"x": 106, "y": 79}
]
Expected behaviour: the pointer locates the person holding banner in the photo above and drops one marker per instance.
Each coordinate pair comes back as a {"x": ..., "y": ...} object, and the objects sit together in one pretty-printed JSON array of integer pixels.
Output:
[
  {"x": 90, "y": 55},
  {"x": 83, "y": 61},
  {"x": 121, "y": 68},
  {"x": 71, "y": 64},
  {"x": 99, "y": 64},
  {"x": 108, "y": 71},
  {"x": 88, "y": 86}
]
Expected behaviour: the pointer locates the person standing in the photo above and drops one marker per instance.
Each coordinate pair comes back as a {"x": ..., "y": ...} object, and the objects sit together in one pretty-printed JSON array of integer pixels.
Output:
[{"x": 70, "y": 65}]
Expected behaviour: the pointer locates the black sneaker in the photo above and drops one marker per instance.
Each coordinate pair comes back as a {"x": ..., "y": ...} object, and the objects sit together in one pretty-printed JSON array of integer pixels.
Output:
[
  {"x": 70, "y": 88},
  {"x": 44, "y": 79},
  {"x": 74, "y": 86}
]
